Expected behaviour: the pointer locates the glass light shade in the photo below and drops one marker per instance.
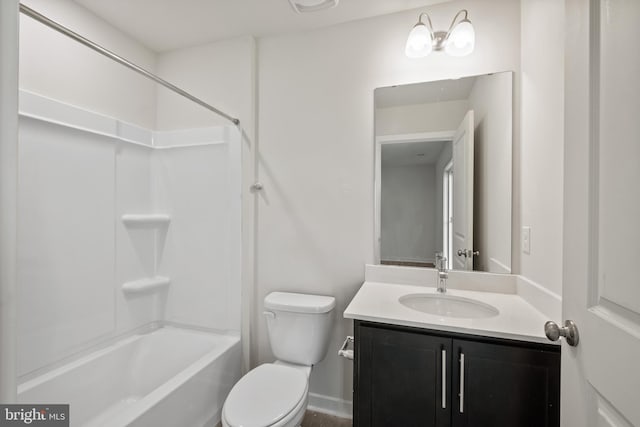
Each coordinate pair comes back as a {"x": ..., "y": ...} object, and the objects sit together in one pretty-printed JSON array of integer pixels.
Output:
[
  {"x": 462, "y": 39},
  {"x": 419, "y": 42}
]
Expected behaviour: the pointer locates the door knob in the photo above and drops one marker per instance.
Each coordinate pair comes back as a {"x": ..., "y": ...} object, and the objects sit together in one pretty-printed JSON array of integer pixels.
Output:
[
  {"x": 569, "y": 331},
  {"x": 468, "y": 253}
]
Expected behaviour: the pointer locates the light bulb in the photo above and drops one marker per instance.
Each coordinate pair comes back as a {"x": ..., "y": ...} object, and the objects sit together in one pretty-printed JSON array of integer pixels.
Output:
[
  {"x": 419, "y": 42},
  {"x": 462, "y": 39}
]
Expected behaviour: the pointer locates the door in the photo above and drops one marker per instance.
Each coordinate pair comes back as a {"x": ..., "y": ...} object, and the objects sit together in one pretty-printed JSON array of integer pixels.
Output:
[
  {"x": 463, "y": 194},
  {"x": 601, "y": 280},
  {"x": 399, "y": 379},
  {"x": 505, "y": 385}
]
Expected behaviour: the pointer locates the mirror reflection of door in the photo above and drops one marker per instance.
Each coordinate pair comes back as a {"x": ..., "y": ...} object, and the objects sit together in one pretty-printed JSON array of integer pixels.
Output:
[
  {"x": 462, "y": 251},
  {"x": 447, "y": 215},
  {"x": 470, "y": 212}
]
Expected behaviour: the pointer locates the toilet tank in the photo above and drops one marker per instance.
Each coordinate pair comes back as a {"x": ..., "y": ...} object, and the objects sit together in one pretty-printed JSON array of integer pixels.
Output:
[{"x": 299, "y": 326}]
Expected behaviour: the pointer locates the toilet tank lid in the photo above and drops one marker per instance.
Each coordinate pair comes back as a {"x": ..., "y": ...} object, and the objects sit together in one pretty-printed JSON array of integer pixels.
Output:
[{"x": 299, "y": 303}]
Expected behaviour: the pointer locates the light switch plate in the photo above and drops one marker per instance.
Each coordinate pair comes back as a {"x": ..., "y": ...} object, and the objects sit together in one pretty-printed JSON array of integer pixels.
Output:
[{"x": 526, "y": 240}]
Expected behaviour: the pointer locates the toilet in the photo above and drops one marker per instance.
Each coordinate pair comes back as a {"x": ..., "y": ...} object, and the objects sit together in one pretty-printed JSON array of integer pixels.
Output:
[{"x": 276, "y": 394}]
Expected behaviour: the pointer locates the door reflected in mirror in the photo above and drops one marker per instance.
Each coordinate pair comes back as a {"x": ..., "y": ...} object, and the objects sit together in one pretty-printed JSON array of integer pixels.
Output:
[{"x": 443, "y": 173}]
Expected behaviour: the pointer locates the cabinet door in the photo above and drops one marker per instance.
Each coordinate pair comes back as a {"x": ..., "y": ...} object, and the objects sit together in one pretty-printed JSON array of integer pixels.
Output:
[
  {"x": 399, "y": 379},
  {"x": 505, "y": 385}
]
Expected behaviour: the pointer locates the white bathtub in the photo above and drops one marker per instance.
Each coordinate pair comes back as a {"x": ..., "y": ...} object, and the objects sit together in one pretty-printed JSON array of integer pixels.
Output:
[{"x": 166, "y": 378}]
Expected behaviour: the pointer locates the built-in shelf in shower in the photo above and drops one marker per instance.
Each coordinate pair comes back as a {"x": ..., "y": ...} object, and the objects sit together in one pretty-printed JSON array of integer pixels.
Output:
[
  {"x": 146, "y": 220},
  {"x": 148, "y": 284}
]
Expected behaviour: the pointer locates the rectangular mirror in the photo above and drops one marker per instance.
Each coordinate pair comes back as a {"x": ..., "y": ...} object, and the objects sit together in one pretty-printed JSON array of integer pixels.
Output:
[{"x": 443, "y": 173}]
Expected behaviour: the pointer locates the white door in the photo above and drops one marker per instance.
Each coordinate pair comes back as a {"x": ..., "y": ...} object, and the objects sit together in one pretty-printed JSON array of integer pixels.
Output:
[
  {"x": 601, "y": 280},
  {"x": 463, "y": 194}
]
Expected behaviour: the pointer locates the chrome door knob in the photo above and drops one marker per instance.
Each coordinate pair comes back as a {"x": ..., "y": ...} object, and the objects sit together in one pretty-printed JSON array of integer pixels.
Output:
[
  {"x": 569, "y": 331},
  {"x": 468, "y": 253}
]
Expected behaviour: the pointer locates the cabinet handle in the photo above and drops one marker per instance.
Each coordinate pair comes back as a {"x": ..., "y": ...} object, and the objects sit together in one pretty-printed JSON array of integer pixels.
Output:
[
  {"x": 461, "y": 383},
  {"x": 444, "y": 379}
]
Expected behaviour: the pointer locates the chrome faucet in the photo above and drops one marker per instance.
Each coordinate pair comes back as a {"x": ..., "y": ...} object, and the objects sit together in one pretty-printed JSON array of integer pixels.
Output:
[{"x": 443, "y": 274}]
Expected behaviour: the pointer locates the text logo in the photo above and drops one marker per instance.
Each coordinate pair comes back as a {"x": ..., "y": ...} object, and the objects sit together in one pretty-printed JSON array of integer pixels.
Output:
[{"x": 34, "y": 415}]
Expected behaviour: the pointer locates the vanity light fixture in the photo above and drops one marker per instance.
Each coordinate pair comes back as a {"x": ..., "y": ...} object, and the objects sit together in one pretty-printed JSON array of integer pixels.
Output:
[
  {"x": 458, "y": 40},
  {"x": 305, "y": 6}
]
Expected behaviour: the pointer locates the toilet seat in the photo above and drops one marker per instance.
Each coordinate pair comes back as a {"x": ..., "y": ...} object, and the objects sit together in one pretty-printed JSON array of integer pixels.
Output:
[{"x": 266, "y": 396}]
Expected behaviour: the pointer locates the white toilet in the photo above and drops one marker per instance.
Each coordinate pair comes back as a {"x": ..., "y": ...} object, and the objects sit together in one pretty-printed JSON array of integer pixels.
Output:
[{"x": 276, "y": 394}]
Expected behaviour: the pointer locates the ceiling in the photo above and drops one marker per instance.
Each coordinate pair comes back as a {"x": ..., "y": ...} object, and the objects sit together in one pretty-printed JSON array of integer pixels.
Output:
[
  {"x": 163, "y": 25},
  {"x": 424, "y": 93},
  {"x": 411, "y": 153}
]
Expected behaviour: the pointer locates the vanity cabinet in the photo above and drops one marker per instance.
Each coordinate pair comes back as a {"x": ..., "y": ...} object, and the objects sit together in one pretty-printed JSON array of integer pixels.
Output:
[{"x": 416, "y": 377}]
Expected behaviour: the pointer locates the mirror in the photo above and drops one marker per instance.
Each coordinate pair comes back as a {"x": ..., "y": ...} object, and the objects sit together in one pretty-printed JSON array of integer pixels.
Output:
[{"x": 443, "y": 173}]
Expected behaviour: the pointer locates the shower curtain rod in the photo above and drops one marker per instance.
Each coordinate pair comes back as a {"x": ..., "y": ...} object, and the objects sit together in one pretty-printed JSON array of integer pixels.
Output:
[{"x": 77, "y": 37}]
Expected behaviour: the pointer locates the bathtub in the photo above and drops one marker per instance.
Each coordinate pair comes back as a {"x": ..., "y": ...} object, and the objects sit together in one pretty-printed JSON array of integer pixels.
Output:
[{"x": 170, "y": 377}]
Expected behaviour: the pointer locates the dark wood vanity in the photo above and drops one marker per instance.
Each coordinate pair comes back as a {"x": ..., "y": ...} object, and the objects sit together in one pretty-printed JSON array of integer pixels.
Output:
[{"x": 406, "y": 377}]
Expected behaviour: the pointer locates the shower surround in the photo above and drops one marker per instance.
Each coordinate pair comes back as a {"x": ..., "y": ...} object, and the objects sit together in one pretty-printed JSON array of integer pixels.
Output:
[{"x": 123, "y": 230}]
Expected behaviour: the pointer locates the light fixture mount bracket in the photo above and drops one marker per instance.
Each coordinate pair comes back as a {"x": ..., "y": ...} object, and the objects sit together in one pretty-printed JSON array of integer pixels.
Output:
[{"x": 439, "y": 40}]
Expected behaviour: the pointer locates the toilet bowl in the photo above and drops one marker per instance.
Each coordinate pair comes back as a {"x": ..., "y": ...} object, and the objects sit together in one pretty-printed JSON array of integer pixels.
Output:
[
  {"x": 276, "y": 394},
  {"x": 272, "y": 394}
]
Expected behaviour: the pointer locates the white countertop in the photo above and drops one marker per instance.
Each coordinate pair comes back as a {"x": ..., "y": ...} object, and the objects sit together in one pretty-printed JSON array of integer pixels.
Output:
[{"x": 517, "y": 320}]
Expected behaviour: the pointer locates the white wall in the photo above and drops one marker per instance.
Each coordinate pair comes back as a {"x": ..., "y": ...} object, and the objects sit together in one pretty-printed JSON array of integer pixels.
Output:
[
  {"x": 433, "y": 117},
  {"x": 491, "y": 99},
  {"x": 55, "y": 66},
  {"x": 218, "y": 73},
  {"x": 315, "y": 217},
  {"x": 408, "y": 215},
  {"x": 540, "y": 157}
]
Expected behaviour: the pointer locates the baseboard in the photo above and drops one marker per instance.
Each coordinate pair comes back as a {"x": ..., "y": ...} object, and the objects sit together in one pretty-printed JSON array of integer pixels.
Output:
[
  {"x": 330, "y": 405},
  {"x": 545, "y": 301}
]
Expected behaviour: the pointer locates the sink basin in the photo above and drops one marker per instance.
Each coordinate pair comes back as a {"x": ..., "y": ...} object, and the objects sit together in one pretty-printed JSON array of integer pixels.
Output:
[{"x": 448, "y": 306}]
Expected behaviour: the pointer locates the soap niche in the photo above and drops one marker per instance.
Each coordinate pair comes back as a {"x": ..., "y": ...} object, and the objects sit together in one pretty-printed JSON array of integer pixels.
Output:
[{"x": 148, "y": 234}]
